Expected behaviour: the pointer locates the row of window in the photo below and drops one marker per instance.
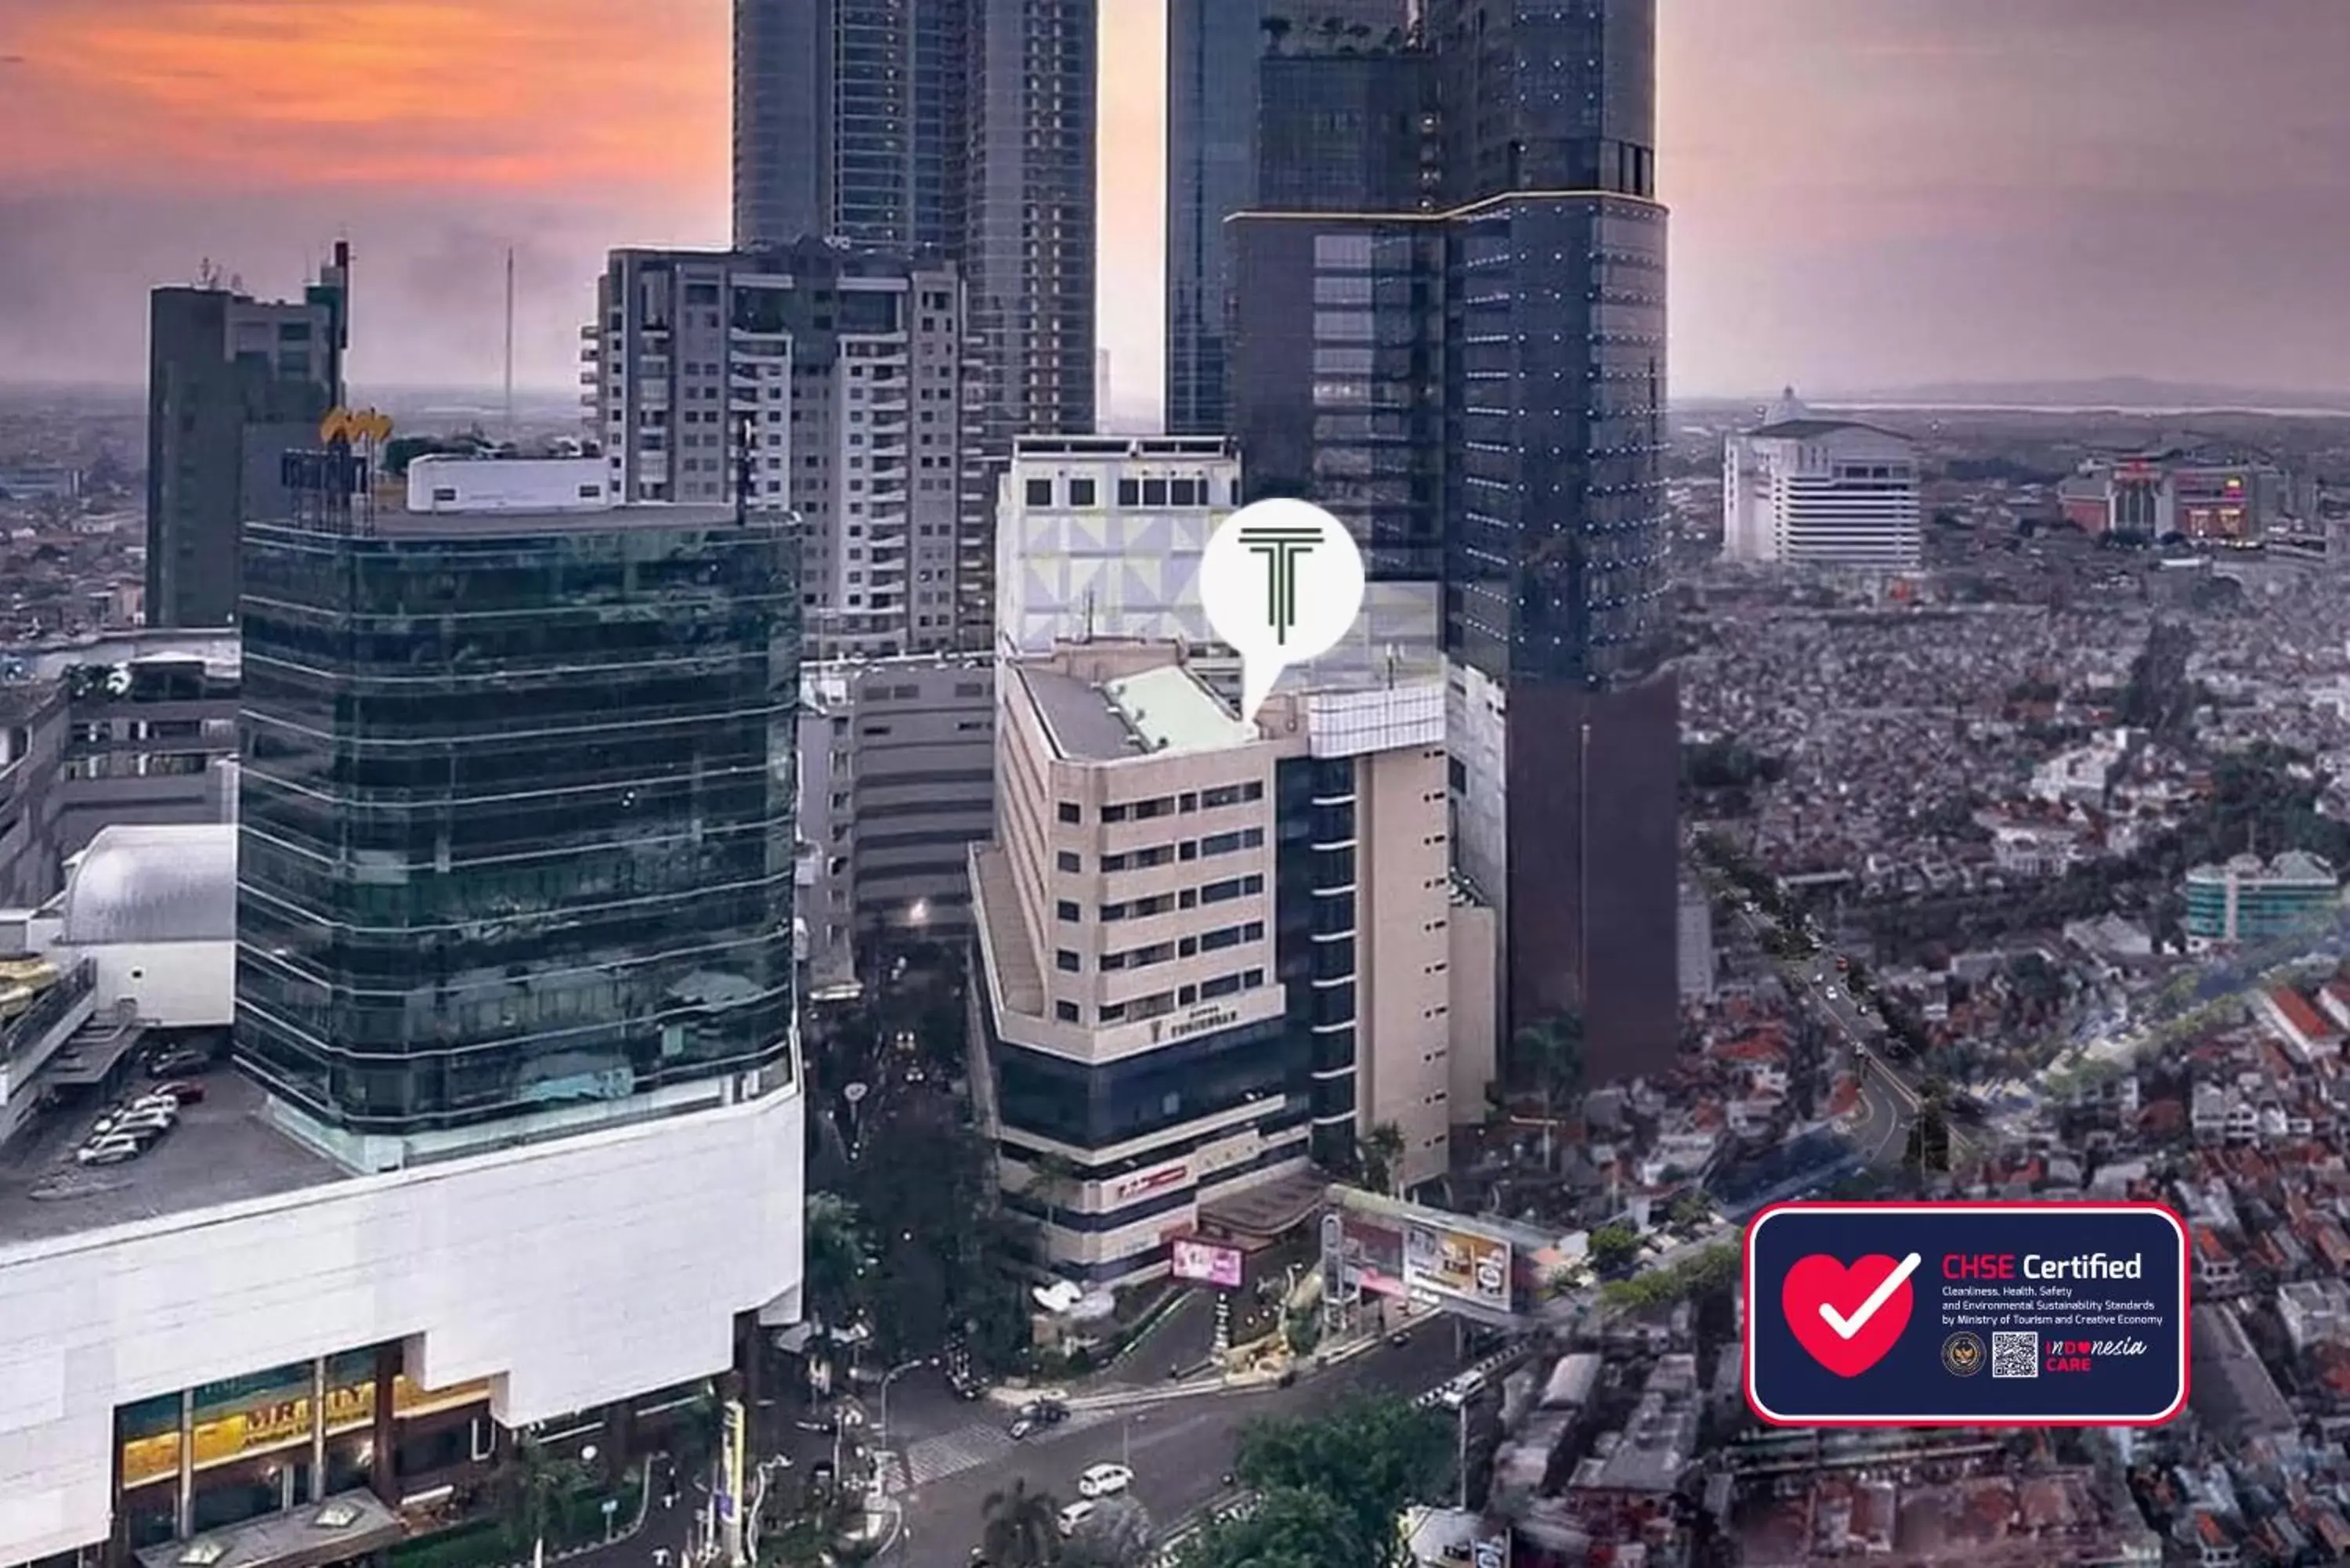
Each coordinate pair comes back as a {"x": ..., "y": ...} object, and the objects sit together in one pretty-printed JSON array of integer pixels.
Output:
[
  {"x": 1215, "y": 799},
  {"x": 1167, "y": 952},
  {"x": 1070, "y": 863},
  {"x": 1223, "y": 892},
  {"x": 1084, "y": 493}
]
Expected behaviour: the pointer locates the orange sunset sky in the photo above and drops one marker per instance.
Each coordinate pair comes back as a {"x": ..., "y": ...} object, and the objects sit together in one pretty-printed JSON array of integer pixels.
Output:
[{"x": 1866, "y": 192}]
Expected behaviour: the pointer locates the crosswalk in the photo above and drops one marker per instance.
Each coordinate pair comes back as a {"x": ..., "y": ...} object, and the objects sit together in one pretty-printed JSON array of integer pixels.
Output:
[{"x": 968, "y": 1448}]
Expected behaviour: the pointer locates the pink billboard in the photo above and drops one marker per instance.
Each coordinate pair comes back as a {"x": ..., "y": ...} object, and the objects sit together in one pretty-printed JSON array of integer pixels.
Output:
[{"x": 1205, "y": 1263}]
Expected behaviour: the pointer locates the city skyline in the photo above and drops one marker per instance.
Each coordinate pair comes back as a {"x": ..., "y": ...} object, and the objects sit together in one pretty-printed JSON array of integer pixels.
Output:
[{"x": 1842, "y": 216}]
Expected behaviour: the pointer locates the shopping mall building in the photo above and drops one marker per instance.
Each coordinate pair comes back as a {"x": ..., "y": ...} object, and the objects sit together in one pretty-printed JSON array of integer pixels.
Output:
[{"x": 508, "y": 1138}]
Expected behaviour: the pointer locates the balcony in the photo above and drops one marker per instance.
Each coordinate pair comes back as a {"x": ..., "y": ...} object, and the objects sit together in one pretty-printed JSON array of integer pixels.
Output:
[{"x": 56, "y": 1012}]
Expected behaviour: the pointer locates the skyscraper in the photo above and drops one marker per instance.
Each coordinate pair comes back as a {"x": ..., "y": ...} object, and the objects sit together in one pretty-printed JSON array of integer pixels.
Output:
[
  {"x": 850, "y": 120},
  {"x": 967, "y": 125},
  {"x": 852, "y": 371},
  {"x": 1212, "y": 91},
  {"x": 515, "y": 830},
  {"x": 1471, "y": 366},
  {"x": 232, "y": 384}
]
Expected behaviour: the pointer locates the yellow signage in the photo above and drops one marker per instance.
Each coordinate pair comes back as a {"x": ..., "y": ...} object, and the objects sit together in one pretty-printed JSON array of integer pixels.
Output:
[
  {"x": 355, "y": 425},
  {"x": 284, "y": 1423}
]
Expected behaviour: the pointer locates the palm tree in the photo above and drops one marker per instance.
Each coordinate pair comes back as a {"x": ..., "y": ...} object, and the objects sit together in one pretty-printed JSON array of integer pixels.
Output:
[
  {"x": 1054, "y": 1178},
  {"x": 1552, "y": 1050},
  {"x": 1023, "y": 1528},
  {"x": 1382, "y": 1157}
]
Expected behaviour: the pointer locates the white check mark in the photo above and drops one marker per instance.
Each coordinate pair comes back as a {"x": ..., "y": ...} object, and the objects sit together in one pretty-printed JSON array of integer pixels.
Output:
[{"x": 1846, "y": 1327}]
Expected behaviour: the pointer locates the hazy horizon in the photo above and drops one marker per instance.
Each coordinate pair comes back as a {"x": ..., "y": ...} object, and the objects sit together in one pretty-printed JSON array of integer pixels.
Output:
[{"x": 1915, "y": 192}]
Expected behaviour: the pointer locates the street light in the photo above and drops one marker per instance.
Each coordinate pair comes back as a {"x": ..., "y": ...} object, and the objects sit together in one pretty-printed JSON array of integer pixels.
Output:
[{"x": 881, "y": 1428}]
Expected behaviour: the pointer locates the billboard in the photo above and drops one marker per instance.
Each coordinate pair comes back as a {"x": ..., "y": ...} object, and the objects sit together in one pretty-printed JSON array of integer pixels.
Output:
[
  {"x": 1207, "y": 1264},
  {"x": 1444, "y": 1260}
]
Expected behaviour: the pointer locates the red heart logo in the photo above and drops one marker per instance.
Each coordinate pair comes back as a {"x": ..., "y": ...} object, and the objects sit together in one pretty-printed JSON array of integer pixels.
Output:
[{"x": 1821, "y": 1281}]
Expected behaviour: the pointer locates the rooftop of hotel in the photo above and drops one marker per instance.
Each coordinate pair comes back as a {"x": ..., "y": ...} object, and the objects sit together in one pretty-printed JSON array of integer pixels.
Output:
[
  {"x": 1157, "y": 712},
  {"x": 223, "y": 1151}
]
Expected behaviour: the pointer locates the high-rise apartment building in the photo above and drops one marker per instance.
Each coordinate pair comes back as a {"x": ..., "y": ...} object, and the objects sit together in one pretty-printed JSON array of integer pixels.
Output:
[
  {"x": 581, "y": 909},
  {"x": 1213, "y": 48},
  {"x": 1480, "y": 363},
  {"x": 1208, "y": 950},
  {"x": 500, "y": 931},
  {"x": 232, "y": 384},
  {"x": 964, "y": 124},
  {"x": 848, "y": 121},
  {"x": 851, "y": 373}
]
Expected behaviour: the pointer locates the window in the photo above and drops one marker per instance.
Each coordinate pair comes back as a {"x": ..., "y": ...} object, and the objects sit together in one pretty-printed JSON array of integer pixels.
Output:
[
  {"x": 1129, "y": 492},
  {"x": 1350, "y": 251},
  {"x": 1066, "y": 909},
  {"x": 1067, "y": 861},
  {"x": 1040, "y": 492},
  {"x": 1183, "y": 492},
  {"x": 1081, "y": 492},
  {"x": 1065, "y": 961},
  {"x": 1154, "y": 493},
  {"x": 1113, "y": 814},
  {"x": 1065, "y": 1012},
  {"x": 1067, "y": 811}
]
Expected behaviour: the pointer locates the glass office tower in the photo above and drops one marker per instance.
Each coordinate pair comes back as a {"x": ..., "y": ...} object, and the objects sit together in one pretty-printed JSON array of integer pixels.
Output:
[{"x": 516, "y": 829}]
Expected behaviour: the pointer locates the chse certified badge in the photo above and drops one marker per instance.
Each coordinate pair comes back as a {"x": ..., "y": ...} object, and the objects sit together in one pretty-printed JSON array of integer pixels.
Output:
[{"x": 1962, "y": 1354}]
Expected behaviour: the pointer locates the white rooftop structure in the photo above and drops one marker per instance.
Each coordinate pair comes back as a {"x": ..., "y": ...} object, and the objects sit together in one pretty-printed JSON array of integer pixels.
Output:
[{"x": 136, "y": 885}]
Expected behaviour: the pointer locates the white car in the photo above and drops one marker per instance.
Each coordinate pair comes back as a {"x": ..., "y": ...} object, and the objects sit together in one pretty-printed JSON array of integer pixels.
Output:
[
  {"x": 1104, "y": 1480},
  {"x": 1461, "y": 1390},
  {"x": 107, "y": 1151},
  {"x": 1074, "y": 1515}
]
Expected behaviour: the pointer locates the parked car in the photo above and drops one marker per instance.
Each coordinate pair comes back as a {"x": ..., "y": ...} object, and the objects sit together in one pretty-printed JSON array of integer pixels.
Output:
[
  {"x": 177, "y": 1062},
  {"x": 1104, "y": 1481},
  {"x": 108, "y": 1151},
  {"x": 184, "y": 1091},
  {"x": 1074, "y": 1515},
  {"x": 1021, "y": 1426}
]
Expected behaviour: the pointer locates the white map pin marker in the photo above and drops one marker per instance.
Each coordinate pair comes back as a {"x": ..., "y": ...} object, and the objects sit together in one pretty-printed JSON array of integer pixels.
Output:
[{"x": 1282, "y": 582}]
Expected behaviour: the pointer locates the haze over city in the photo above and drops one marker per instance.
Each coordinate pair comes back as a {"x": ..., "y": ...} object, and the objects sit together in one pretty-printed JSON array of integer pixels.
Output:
[{"x": 1864, "y": 196}]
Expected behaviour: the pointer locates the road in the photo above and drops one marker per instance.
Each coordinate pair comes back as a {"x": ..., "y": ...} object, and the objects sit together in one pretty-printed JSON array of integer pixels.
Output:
[{"x": 1181, "y": 1449}]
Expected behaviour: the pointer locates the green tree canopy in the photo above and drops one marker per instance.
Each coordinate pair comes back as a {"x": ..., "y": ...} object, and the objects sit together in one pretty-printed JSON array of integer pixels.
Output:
[
  {"x": 1289, "y": 1528},
  {"x": 1613, "y": 1246},
  {"x": 1371, "y": 1455},
  {"x": 1119, "y": 1534}
]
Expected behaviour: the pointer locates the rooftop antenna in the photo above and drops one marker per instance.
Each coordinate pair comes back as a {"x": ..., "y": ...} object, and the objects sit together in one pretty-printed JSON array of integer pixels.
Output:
[{"x": 510, "y": 404}]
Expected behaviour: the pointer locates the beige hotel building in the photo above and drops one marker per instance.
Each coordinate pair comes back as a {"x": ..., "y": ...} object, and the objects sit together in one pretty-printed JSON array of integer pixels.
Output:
[{"x": 1212, "y": 953}]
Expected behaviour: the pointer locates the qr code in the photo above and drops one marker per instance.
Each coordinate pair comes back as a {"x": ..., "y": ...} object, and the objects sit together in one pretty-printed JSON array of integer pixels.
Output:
[{"x": 2015, "y": 1355}]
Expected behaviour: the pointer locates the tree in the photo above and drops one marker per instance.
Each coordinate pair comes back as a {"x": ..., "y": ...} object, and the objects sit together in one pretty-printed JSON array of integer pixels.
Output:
[
  {"x": 1054, "y": 1178},
  {"x": 834, "y": 1249},
  {"x": 532, "y": 1487},
  {"x": 1289, "y": 1528},
  {"x": 1551, "y": 1053},
  {"x": 1118, "y": 1534},
  {"x": 1022, "y": 1528},
  {"x": 1381, "y": 1151},
  {"x": 1613, "y": 1247},
  {"x": 1691, "y": 1209},
  {"x": 1370, "y": 1455}
]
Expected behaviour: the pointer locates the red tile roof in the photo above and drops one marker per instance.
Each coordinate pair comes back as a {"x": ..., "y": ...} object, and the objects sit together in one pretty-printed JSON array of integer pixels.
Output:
[{"x": 2296, "y": 1011}]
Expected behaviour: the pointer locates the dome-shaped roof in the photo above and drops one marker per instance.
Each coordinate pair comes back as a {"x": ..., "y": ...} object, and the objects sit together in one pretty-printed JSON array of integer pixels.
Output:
[{"x": 174, "y": 884}]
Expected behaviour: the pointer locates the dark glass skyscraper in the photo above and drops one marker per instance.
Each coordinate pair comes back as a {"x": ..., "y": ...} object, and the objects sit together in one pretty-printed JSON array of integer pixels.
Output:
[
  {"x": 516, "y": 818},
  {"x": 233, "y": 383},
  {"x": 1479, "y": 368},
  {"x": 1213, "y": 48}
]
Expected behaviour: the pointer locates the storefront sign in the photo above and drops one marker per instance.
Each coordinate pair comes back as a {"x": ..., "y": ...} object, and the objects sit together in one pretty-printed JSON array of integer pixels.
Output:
[
  {"x": 281, "y": 1423},
  {"x": 1149, "y": 1181},
  {"x": 1199, "y": 1021}
]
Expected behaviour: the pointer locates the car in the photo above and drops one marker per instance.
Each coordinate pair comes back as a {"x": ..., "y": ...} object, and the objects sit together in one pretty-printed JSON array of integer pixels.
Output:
[
  {"x": 1044, "y": 1412},
  {"x": 1074, "y": 1515},
  {"x": 1104, "y": 1481},
  {"x": 1021, "y": 1426},
  {"x": 1400, "y": 1337},
  {"x": 178, "y": 1063},
  {"x": 108, "y": 1151},
  {"x": 182, "y": 1091},
  {"x": 156, "y": 1102},
  {"x": 154, "y": 1119},
  {"x": 1461, "y": 1390}
]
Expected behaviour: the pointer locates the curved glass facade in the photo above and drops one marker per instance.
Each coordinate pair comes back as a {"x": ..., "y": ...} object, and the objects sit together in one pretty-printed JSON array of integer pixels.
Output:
[{"x": 516, "y": 815}]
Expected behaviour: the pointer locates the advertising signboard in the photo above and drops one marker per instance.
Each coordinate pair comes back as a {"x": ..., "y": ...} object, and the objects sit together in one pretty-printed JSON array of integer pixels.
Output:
[
  {"x": 1446, "y": 1261},
  {"x": 1206, "y": 1262}
]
